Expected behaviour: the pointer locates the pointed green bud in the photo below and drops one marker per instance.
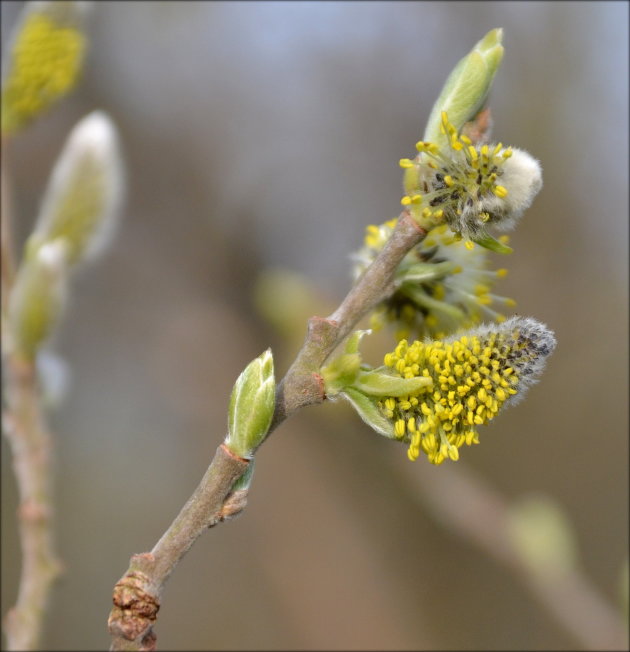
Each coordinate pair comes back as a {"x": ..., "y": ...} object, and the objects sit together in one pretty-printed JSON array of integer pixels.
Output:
[
  {"x": 379, "y": 384},
  {"x": 44, "y": 60},
  {"x": 367, "y": 408},
  {"x": 37, "y": 298},
  {"x": 84, "y": 193},
  {"x": 251, "y": 406},
  {"x": 467, "y": 87}
]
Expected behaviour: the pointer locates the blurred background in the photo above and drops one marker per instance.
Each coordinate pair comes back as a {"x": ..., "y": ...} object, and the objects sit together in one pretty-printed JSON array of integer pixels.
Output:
[{"x": 265, "y": 136}]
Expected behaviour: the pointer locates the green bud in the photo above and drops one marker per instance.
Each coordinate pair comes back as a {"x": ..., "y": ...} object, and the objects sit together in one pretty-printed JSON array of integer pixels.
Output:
[
  {"x": 367, "y": 408},
  {"x": 467, "y": 87},
  {"x": 251, "y": 406},
  {"x": 37, "y": 298},
  {"x": 84, "y": 192}
]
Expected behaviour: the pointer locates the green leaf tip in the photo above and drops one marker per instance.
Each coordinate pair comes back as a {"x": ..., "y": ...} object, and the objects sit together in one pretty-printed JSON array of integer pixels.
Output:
[{"x": 367, "y": 408}]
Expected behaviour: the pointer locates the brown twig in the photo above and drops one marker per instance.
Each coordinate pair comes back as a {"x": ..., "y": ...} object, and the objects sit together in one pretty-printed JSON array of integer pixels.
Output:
[
  {"x": 31, "y": 445},
  {"x": 137, "y": 594},
  {"x": 302, "y": 384}
]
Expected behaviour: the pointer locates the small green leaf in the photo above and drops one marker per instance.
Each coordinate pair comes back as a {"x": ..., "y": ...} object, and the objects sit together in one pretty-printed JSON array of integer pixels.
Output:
[
  {"x": 492, "y": 244},
  {"x": 376, "y": 383},
  {"x": 367, "y": 409}
]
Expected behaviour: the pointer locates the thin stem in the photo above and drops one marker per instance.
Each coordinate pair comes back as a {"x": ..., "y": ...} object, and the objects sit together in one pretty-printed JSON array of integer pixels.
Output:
[
  {"x": 31, "y": 445},
  {"x": 137, "y": 594},
  {"x": 302, "y": 384},
  {"x": 24, "y": 426}
]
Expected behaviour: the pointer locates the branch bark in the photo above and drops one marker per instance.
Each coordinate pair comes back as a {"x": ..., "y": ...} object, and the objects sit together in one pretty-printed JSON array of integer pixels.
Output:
[
  {"x": 138, "y": 593},
  {"x": 31, "y": 445},
  {"x": 302, "y": 385}
]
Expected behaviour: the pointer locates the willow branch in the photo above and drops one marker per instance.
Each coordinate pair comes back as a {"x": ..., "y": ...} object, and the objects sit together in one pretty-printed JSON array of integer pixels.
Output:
[
  {"x": 24, "y": 426},
  {"x": 302, "y": 385},
  {"x": 137, "y": 594},
  {"x": 31, "y": 445}
]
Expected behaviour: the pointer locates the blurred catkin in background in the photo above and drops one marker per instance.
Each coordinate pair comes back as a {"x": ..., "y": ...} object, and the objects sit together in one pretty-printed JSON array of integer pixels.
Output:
[{"x": 268, "y": 134}]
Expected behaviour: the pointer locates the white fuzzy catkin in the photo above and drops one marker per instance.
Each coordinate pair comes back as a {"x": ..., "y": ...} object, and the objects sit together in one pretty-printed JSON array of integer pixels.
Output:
[
  {"x": 83, "y": 198},
  {"x": 522, "y": 178}
]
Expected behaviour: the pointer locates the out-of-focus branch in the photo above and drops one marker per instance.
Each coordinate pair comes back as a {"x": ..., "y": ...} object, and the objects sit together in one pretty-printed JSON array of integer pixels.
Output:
[
  {"x": 76, "y": 216},
  {"x": 466, "y": 505},
  {"x": 137, "y": 594},
  {"x": 31, "y": 445},
  {"x": 24, "y": 427}
]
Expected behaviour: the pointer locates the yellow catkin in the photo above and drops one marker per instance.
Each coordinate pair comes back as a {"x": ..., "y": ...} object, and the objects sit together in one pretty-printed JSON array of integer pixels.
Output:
[
  {"x": 45, "y": 62},
  {"x": 474, "y": 375}
]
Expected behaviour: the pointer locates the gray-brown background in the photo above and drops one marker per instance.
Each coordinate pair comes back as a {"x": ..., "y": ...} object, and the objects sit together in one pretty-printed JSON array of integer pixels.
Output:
[{"x": 264, "y": 135}]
